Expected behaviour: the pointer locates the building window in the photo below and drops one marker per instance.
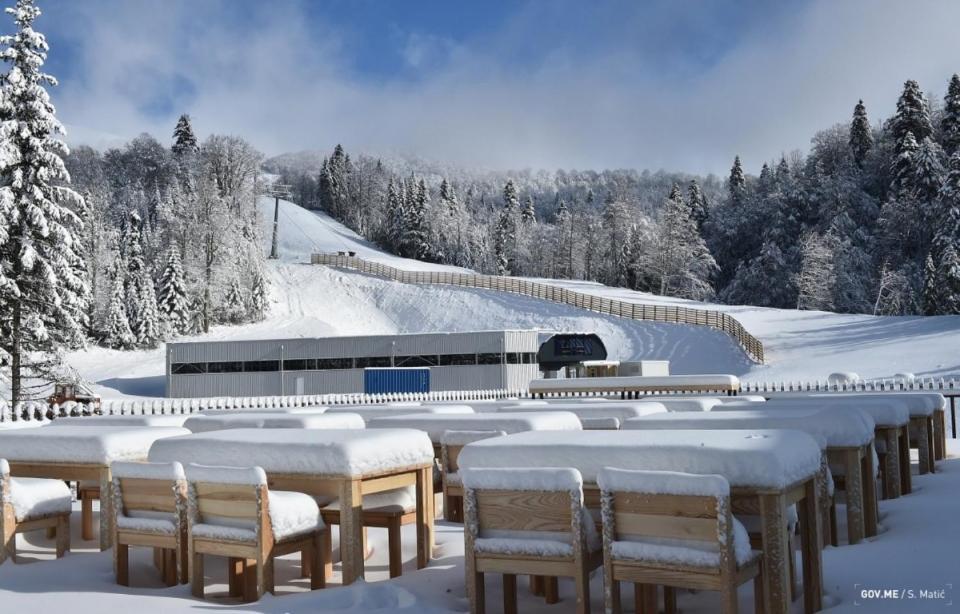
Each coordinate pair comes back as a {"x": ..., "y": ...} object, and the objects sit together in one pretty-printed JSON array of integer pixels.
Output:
[
  {"x": 188, "y": 368},
  {"x": 300, "y": 364},
  {"x": 489, "y": 359},
  {"x": 457, "y": 360},
  {"x": 513, "y": 358},
  {"x": 330, "y": 364},
  {"x": 224, "y": 367},
  {"x": 416, "y": 361},
  {"x": 261, "y": 366},
  {"x": 529, "y": 358},
  {"x": 373, "y": 361}
]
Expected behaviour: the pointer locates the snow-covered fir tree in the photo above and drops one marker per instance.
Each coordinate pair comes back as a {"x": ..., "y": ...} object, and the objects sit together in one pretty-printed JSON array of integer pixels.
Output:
[
  {"x": 912, "y": 116},
  {"x": 172, "y": 299},
  {"x": 861, "y": 139},
  {"x": 259, "y": 297},
  {"x": 117, "y": 333},
  {"x": 41, "y": 296},
  {"x": 697, "y": 203},
  {"x": 529, "y": 213},
  {"x": 184, "y": 140},
  {"x": 950, "y": 123}
]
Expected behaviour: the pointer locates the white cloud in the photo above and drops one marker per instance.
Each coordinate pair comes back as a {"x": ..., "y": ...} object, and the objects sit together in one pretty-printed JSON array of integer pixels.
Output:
[{"x": 286, "y": 87}]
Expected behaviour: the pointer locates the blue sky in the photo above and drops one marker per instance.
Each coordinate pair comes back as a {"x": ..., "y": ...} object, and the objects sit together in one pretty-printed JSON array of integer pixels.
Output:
[{"x": 680, "y": 84}]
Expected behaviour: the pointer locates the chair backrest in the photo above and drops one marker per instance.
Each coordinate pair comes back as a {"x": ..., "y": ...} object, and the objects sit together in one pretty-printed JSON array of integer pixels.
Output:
[
  {"x": 229, "y": 497},
  {"x": 149, "y": 490},
  {"x": 4, "y": 481},
  {"x": 526, "y": 504},
  {"x": 453, "y": 441},
  {"x": 677, "y": 515}
]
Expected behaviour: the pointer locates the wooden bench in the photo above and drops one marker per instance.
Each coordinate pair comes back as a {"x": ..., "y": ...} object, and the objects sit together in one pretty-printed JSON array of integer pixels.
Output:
[{"x": 675, "y": 530}]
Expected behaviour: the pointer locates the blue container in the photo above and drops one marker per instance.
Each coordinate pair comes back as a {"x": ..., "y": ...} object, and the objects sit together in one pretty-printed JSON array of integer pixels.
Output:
[{"x": 380, "y": 381}]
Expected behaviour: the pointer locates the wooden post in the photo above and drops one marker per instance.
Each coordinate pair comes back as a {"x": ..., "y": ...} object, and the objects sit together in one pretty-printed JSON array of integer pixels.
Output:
[
  {"x": 106, "y": 509},
  {"x": 351, "y": 536},
  {"x": 810, "y": 542},
  {"x": 773, "y": 519},
  {"x": 424, "y": 517},
  {"x": 855, "y": 502},
  {"x": 903, "y": 448}
]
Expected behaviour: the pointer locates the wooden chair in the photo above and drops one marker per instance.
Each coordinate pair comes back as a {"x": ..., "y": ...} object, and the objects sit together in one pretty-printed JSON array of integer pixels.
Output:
[
  {"x": 673, "y": 529},
  {"x": 388, "y": 510},
  {"x": 29, "y": 504},
  {"x": 528, "y": 522},
  {"x": 450, "y": 445},
  {"x": 149, "y": 509},
  {"x": 230, "y": 513}
]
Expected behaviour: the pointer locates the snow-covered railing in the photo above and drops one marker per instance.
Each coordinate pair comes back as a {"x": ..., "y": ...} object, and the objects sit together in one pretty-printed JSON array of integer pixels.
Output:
[
  {"x": 41, "y": 411},
  {"x": 636, "y": 311}
]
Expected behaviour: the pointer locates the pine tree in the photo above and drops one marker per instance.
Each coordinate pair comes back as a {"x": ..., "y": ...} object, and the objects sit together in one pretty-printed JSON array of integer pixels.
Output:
[
  {"x": 510, "y": 199},
  {"x": 697, "y": 204},
  {"x": 931, "y": 288},
  {"x": 118, "y": 334},
  {"x": 184, "y": 140},
  {"x": 912, "y": 116},
  {"x": 949, "y": 274},
  {"x": 259, "y": 299},
  {"x": 41, "y": 296},
  {"x": 677, "y": 258},
  {"x": 904, "y": 167},
  {"x": 147, "y": 329},
  {"x": 861, "y": 140},
  {"x": 396, "y": 217},
  {"x": 234, "y": 304},
  {"x": 502, "y": 240},
  {"x": 950, "y": 124},
  {"x": 448, "y": 196},
  {"x": 172, "y": 301},
  {"x": 563, "y": 265},
  {"x": 529, "y": 214},
  {"x": 737, "y": 183}
]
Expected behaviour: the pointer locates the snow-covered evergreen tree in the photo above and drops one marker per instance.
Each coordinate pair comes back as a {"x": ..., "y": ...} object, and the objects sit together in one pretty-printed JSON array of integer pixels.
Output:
[
  {"x": 502, "y": 240},
  {"x": 861, "y": 139},
  {"x": 234, "y": 304},
  {"x": 172, "y": 301},
  {"x": 697, "y": 203},
  {"x": 184, "y": 140},
  {"x": 529, "y": 213},
  {"x": 117, "y": 333},
  {"x": 147, "y": 328},
  {"x": 932, "y": 299},
  {"x": 950, "y": 123},
  {"x": 912, "y": 116},
  {"x": 259, "y": 297},
  {"x": 737, "y": 182},
  {"x": 678, "y": 260},
  {"x": 41, "y": 295}
]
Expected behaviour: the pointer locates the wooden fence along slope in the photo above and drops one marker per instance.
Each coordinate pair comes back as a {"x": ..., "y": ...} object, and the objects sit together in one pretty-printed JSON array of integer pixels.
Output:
[{"x": 636, "y": 311}]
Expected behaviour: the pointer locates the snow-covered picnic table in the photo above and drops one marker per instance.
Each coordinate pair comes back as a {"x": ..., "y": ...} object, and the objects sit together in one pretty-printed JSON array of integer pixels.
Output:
[
  {"x": 845, "y": 436},
  {"x": 131, "y": 420},
  {"x": 202, "y": 424},
  {"x": 74, "y": 453},
  {"x": 768, "y": 471},
  {"x": 368, "y": 412},
  {"x": 606, "y": 409},
  {"x": 436, "y": 425},
  {"x": 629, "y": 385},
  {"x": 891, "y": 428},
  {"x": 342, "y": 463}
]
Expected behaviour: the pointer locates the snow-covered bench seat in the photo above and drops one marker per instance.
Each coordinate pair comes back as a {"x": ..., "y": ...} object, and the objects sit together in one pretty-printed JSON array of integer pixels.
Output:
[
  {"x": 679, "y": 532},
  {"x": 28, "y": 504},
  {"x": 227, "y": 516},
  {"x": 175, "y": 420},
  {"x": 78, "y": 453},
  {"x": 202, "y": 424},
  {"x": 630, "y": 385},
  {"x": 346, "y": 464},
  {"x": 606, "y": 409},
  {"x": 524, "y": 521},
  {"x": 781, "y": 466},
  {"x": 510, "y": 422}
]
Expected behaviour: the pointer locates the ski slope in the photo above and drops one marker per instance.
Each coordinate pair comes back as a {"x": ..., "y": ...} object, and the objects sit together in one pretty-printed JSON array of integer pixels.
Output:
[{"x": 310, "y": 301}]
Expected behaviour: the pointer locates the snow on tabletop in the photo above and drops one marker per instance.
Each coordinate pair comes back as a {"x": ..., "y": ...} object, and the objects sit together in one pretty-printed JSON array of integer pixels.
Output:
[
  {"x": 316, "y": 409},
  {"x": 600, "y": 423},
  {"x": 436, "y": 425},
  {"x": 662, "y": 482},
  {"x": 918, "y": 404},
  {"x": 226, "y": 474},
  {"x": 748, "y": 458},
  {"x": 136, "y": 421},
  {"x": 333, "y": 452},
  {"x": 585, "y": 410},
  {"x": 462, "y": 438},
  {"x": 885, "y": 412},
  {"x": 34, "y": 497},
  {"x": 202, "y": 424},
  {"x": 563, "y": 479},
  {"x": 829, "y": 429},
  {"x": 148, "y": 471},
  {"x": 80, "y": 444}
]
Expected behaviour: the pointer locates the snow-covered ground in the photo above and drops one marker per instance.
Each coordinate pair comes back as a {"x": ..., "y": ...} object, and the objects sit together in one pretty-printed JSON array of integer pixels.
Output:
[{"x": 318, "y": 301}]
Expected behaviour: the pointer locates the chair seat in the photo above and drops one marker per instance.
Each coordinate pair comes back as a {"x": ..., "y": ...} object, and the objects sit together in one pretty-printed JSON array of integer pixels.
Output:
[
  {"x": 157, "y": 526},
  {"x": 291, "y": 514},
  {"x": 396, "y": 501},
  {"x": 454, "y": 479},
  {"x": 682, "y": 552},
  {"x": 37, "y": 497},
  {"x": 537, "y": 543}
]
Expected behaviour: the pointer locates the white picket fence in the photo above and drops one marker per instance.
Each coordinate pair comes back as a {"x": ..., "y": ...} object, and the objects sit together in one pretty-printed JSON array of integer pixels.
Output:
[{"x": 41, "y": 411}]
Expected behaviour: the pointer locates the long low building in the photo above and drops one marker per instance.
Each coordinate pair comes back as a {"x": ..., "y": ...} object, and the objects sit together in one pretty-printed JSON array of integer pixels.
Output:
[{"x": 487, "y": 360}]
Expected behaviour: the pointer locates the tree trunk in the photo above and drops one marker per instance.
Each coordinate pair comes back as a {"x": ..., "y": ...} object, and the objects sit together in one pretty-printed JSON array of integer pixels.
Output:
[{"x": 16, "y": 333}]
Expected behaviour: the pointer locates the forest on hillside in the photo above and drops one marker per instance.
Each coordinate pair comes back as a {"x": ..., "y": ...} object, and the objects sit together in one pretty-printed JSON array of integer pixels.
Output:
[{"x": 866, "y": 221}]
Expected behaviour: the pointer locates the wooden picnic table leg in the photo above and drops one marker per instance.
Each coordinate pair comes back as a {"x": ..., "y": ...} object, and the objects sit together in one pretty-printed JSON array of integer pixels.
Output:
[
  {"x": 810, "y": 531},
  {"x": 869, "y": 492},
  {"x": 891, "y": 464},
  {"x": 920, "y": 426},
  {"x": 424, "y": 517},
  {"x": 906, "y": 483},
  {"x": 854, "y": 486},
  {"x": 351, "y": 534},
  {"x": 106, "y": 508},
  {"x": 776, "y": 574},
  {"x": 939, "y": 434},
  {"x": 931, "y": 443}
]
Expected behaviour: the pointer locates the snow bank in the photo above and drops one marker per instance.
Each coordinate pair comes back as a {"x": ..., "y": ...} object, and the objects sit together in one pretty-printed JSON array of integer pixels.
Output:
[
  {"x": 749, "y": 458},
  {"x": 436, "y": 425},
  {"x": 333, "y": 452},
  {"x": 79, "y": 444},
  {"x": 663, "y": 482}
]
